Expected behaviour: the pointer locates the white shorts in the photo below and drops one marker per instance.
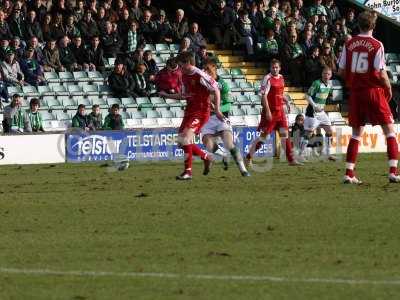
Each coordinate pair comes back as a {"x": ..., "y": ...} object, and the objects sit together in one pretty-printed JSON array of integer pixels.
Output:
[
  {"x": 320, "y": 118},
  {"x": 214, "y": 126}
]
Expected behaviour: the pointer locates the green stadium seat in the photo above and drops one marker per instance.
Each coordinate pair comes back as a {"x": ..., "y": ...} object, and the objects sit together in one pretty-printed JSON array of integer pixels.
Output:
[
  {"x": 111, "y": 61},
  {"x": 90, "y": 90},
  {"x": 257, "y": 85},
  {"x": 236, "y": 111},
  {"x": 129, "y": 102},
  {"x": 152, "y": 114},
  {"x": 237, "y": 73},
  {"x": 165, "y": 56},
  {"x": 392, "y": 58},
  {"x": 167, "y": 114},
  {"x": 95, "y": 76},
  {"x": 237, "y": 120},
  {"x": 60, "y": 90},
  {"x": 104, "y": 90},
  {"x": 255, "y": 98},
  {"x": 246, "y": 86},
  {"x": 252, "y": 111},
  {"x": 75, "y": 90},
  {"x": 149, "y": 47},
  {"x": 138, "y": 115},
  {"x": 51, "y": 77},
  {"x": 174, "y": 48},
  {"x": 162, "y": 48},
  {"x": 11, "y": 90},
  {"x": 62, "y": 116},
  {"x": 80, "y": 76},
  {"x": 82, "y": 100},
  {"x": 54, "y": 104},
  {"x": 233, "y": 86},
  {"x": 45, "y": 90},
  {"x": 337, "y": 95},
  {"x": 251, "y": 120},
  {"x": 125, "y": 115},
  {"x": 24, "y": 103},
  {"x": 224, "y": 73},
  {"x": 164, "y": 122},
  {"x": 173, "y": 102},
  {"x": 243, "y": 100},
  {"x": 67, "y": 102},
  {"x": 99, "y": 101},
  {"x": 46, "y": 116},
  {"x": 179, "y": 113},
  {"x": 111, "y": 101},
  {"x": 142, "y": 100},
  {"x": 30, "y": 91},
  {"x": 66, "y": 76},
  {"x": 134, "y": 123},
  {"x": 149, "y": 123}
]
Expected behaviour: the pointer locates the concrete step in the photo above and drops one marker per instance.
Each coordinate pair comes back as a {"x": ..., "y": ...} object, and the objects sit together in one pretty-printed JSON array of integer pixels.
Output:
[
  {"x": 297, "y": 95},
  {"x": 242, "y": 64},
  {"x": 332, "y": 108},
  {"x": 253, "y": 78},
  {"x": 211, "y": 47},
  {"x": 230, "y": 59},
  {"x": 254, "y": 71}
]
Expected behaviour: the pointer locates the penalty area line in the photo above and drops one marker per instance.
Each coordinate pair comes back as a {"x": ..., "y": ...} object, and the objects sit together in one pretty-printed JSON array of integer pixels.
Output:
[{"x": 49, "y": 272}]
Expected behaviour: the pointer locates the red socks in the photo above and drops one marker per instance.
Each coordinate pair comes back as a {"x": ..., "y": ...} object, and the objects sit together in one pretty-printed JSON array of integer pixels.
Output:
[
  {"x": 392, "y": 152},
  {"x": 289, "y": 152},
  {"x": 187, "y": 149},
  {"x": 198, "y": 152},
  {"x": 351, "y": 157}
]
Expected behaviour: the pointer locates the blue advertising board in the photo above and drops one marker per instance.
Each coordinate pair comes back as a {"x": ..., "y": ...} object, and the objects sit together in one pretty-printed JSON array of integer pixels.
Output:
[{"x": 145, "y": 144}]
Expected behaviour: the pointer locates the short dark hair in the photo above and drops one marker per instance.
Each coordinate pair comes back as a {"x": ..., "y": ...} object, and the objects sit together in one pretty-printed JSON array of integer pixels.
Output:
[
  {"x": 115, "y": 105},
  {"x": 95, "y": 106},
  {"x": 81, "y": 106},
  {"x": 367, "y": 20},
  {"x": 275, "y": 61},
  {"x": 34, "y": 101},
  {"x": 187, "y": 58}
]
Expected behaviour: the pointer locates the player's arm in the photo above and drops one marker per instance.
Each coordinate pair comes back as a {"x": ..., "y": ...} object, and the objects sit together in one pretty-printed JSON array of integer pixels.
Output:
[
  {"x": 310, "y": 94},
  {"x": 287, "y": 102},
  {"x": 265, "y": 87},
  {"x": 213, "y": 88},
  {"x": 342, "y": 64},
  {"x": 177, "y": 96},
  {"x": 379, "y": 65}
]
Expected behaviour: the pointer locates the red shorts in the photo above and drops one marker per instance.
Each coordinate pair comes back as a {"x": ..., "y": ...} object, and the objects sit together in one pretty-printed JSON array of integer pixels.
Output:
[
  {"x": 278, "y": 121},
  {"x": 369, "y": 106},
  {"x": 195, "y": 122}
]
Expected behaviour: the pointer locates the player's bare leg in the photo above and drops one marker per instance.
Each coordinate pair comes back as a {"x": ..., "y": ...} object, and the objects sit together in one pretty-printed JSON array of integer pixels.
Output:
[
  {"x": 392, "y": 152},
  {"x": 351, "y": 156},
  {"x": 286, "y": 146},
  {"x": 212, "y": 147},
  {"x": 227, "y": 138},
  {"x": 328, "y": 142},
  {"x": 254, "y": 146}
]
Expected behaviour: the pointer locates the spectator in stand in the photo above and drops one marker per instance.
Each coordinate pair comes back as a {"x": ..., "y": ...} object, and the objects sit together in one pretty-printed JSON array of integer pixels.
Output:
[
  {"x": 278, "y": 33},
  {"x": 151, "y": 65},
  {"x": 312, "y": 66},
  {"x": 8, "y": 8},
  {"x": 113, "y": 120},
  {"x": 123, "y": 25},
  {"x": 185, "y": 46},
  {"x": 79, "y": 10},
  {"x": 79, "y": 51},
  {"x": 146, "y": 5},
  {"x": 71, "y": 30},
  {"x": 80, "y": 120},
  {"x": 333, "y": 12},
  {"x": 46, "y": 31},
  {"x": 11, "y": 70},
  {"x": 119, "y": 7},
  {"x": 33, "y": 27},
  {"x": 135, "y": 11},
  {"x": 142, "y": 86},
  {"x": 299, "y": 19},
  {"x": 93, "y": 6},
  {"x": 33, "y": 71},
  {"x": 40, "y": 9},
  {"x": 110, "y": 41},
  {"x": 102, "y": 20},
  {"x": 52, "y": 57},
  {"x": 148, "y": 27},
  {"x": 57, "y": 29},
  {"x": 196, "y": 38},
  {"x": 15, "y": 121},
  {"x": 17, "y": 24},
  {"x": 94, "y": 56},
  {"x": 67, "y": 57},
  {"x": 269, "y": 48},
  {"x": 135, "y": 39},
  {"x": 169, "y": 79},
  {"x": 5, "y": 32},
  {"x": 4, "y": 47},
  {"x": 38, "y": 54},
  {"x": 222, "y": 25},
  {"x": 328, "y": 58},
  {"x": 256, "y": 18},
  {"x": 351, "y": 22},
  {"x": 164, "y": 29},
  {"x": 60, "y": 7},
  {"x": 34, "y": 117},
  {"x": 307, "y": 42},
  {"x": 201, "y": 57},
  {"x": 319, "y": 41},
  {"x": 15, "y": 46},
  {"x": 246, "y": 32},
  {"x": 88, "y": 27},
  {"x": 179, "y": 26},
  {"x": 95, "y": 118},
  {"x": 121, "y": 82},
  {"x": 317, "y": 9},
  {"x": 111, "y": 15},
  {"x": 293, "y": 57}
]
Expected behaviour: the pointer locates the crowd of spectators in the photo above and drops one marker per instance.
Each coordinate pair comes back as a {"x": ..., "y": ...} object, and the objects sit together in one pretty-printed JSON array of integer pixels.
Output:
[{"x": 38, "y": 36}]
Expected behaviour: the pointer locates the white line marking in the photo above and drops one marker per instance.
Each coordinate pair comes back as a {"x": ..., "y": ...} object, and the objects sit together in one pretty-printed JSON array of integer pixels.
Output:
[{"x": 47, "y": 272}]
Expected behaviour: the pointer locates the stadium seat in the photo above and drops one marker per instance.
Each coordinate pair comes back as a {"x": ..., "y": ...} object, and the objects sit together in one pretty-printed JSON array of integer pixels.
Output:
[
  {"x": 54, "y": 104},
  {"x": 66, "y": 76},
  {"x": 46, "y": 116},
  {"x": 111, "y": 61},
  {"x": 24, "y": 103},
  {"x": 62, "y": 116},
  {"x": 129, "y": 102},
  {"x": 173, "y": 102},
  {"x": 90, "y": 89},
  {"x": 162, "y": 48},
  {"x": 237, "y": 120},
  {"x": 233, "y": 86},
  {"x": 134, "y": 123},
  {"x": 251, "y": 121},
  {"x": 45, "y": 90},
  {"x": 104, "y": 90},
  {"x": 68, "y": 103},
  {"x": 257, "y": 85},
  {"x": 111, "y": 101},
  {"x": 176, "y": 122},
  {"x": 174, "y": 48},
  {"x": 159, "y": 61},
  {"x": 167, "y": 114},
  {"x": 337, "y": 95},
  {"x": 164, "y": 122},
  {"x": 11, "y": 90},
  {"x": 224, "y": 73},
  {"x": 149, "y": 123},
  {"x": 149, "y": 47},
  {"x": 144, "y": 102},
  {"x": 125, "y": 115},
  {"x": 150, "y": 114},
  {"x": 246, "y": 86},
  {"x": 165, "y": 56},
  {"x": 95, "y": 76},
  {"x": 236, "y": 111},
  {"x": 255, "y": 98},
  {"x": 99, "y": 101},
  {"x": 51, "y": 77},
  {"x": 138, "y": 115},
  {"x": 60, "y": 90},
  {"x": 243, "y": 100},
  {"x": 237, "y": 73},
  {"x": 30, "y": 91},
  {"x": 336, "y": 118},
  {"x": 392, "y": 58},
  {"x": 179, "y": 113},
  {"x": 75, "y": 90},
  {"x": 80, "y": 76},
  {"x": 158, "y": 102}
]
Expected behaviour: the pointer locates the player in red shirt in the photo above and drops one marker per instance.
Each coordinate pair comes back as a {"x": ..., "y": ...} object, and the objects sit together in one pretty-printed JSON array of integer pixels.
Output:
[
  {"x": 273, "y": 115},
  {"x": 197, "y": 86},
  {"x": 362, "y": 64}
]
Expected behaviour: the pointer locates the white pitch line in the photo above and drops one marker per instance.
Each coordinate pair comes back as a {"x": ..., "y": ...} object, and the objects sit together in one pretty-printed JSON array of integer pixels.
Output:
[{"x": 48, "y": 272}]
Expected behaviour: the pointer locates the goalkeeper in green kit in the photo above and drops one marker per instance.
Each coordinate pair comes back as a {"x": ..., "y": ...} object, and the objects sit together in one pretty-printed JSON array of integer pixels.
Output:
[{"x": 215, "y": 128}]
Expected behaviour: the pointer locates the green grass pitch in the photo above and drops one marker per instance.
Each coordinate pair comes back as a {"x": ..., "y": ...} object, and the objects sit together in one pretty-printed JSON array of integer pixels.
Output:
[{"x": 299, "y": 224}]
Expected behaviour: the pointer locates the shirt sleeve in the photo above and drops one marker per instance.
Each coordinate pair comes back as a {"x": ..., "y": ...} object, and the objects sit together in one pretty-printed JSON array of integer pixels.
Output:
[
  {"x": 342, "y": 59},
  {"x": 207, "y": 81},
  {"x": 313, "y": 89},
  {"x": 379, "y": 61},
  {"x": 265, "y": 85}
]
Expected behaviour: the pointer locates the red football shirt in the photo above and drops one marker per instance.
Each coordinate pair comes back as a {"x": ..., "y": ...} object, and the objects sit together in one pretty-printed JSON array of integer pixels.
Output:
[
  {"x": 274, "y": 87},
  {"x": 198, "y": 85},
  {"x": 363, "y": 57}
]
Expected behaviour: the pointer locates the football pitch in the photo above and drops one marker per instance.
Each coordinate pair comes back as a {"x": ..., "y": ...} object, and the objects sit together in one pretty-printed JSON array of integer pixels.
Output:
[{"x": 79, "y": 231}]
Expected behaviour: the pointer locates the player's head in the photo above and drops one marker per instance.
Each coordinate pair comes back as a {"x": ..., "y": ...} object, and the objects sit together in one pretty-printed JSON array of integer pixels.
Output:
[
  {"x": 210, "y": 67},
  {"x": 367, "y": 20},
  {"x": 275, "y": 67},
  {"x": 187, "y": 61},
  {"x": 326, "y": 74}
]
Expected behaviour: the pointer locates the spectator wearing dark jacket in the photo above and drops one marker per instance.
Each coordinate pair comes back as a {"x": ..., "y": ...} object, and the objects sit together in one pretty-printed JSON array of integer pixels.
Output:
[
  {"x": 146, "y": 5},
  {"x": 142, "y": 85},
  {"x": 94, "y": 55},
  {"x": 222, "y": 25},
  {"x": 113, "y": 120},
  {"x": 246, "y": 31},
  {"x": 201, "y": 57},
  {"x": 31, "y": 68},
  {"x": 196, "y": 38},
  {"x": 71, "y": 29},
  {"x": 123, "y": 26},
  {"x": 88, "y": 27},
  {"x": 110, "y": 41},
  {"x": 80, "y": 120},
  {"x": 17, "y": 24},
  {"x": 148, "y": 28},
  {"x": 15, "y": 45},
  {"x": 121, "y": 82},
  {"x": 39, "y": 8},
  {"x": 33, "y": 27},
  {"x": 67, "y": 57},
  {"x": 312, "y": 66},
  {"x": 57, "y": 29},
  {"x": 135, "y": 39},
  {"x": 5, "y": 32},
  {"x": 164, "y": 29},
  {"x": 95, "y": 118},
  {"x": 78, "y": 50},
  {"x": 52, "y": 57},
  {"x": 151, "y": 65},
  {"x": 135, "y": 11},
  {"x": 179, "y": 26},
  {"x": 293, "y": 58}
]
